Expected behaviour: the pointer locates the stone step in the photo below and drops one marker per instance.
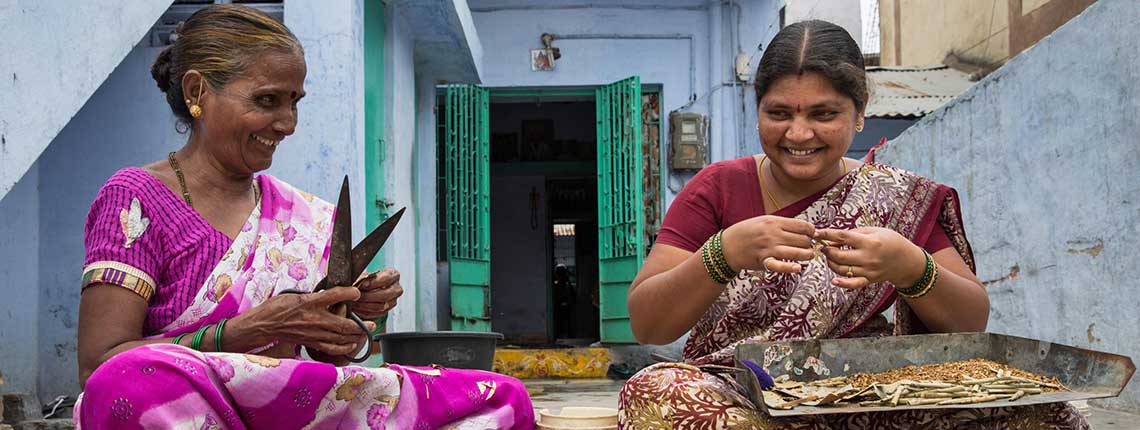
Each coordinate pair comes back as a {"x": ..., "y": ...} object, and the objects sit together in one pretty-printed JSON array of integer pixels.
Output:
[
  {"x": 19, "y": 407},
  {"x": 553, "y": 363},
  {"x": 49, "y": 424}
]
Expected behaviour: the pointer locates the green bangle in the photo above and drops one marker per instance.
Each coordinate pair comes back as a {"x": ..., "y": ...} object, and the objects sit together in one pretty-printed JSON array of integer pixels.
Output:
[
  {"x": 721, "y": 261},
  {"x": 929, "y": 286},
  {"x": 196, "y": 344},
  {"x": 925, "y": 283},
  {"x": 218, "y": 334},
  {"x": 178, "y": 339},
  {"x": 710, "y": 266}
]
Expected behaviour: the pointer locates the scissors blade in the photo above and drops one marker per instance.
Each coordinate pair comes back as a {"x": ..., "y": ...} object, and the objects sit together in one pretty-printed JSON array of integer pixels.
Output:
[
  {"x": 340, "y": 249},
  {"x": 364, "y": 251}
]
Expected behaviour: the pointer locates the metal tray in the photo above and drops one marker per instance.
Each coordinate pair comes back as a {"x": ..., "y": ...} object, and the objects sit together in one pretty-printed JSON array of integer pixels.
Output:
[{"x": 1087, "y": 374}]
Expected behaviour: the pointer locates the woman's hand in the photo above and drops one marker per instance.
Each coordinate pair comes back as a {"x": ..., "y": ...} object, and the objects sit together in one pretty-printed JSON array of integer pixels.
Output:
[
  {"x": 311, "y": 320},
  {"x": 769, "y": 243},
  {"x": 869, "y": 255},
  {"x": 378, "y": 294}
]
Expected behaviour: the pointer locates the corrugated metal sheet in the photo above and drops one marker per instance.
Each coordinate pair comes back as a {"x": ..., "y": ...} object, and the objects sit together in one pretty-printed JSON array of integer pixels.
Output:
[{"x": 900, "y": 92}]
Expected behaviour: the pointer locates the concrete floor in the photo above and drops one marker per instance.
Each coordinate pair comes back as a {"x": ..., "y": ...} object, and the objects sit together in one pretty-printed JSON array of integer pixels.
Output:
[{"x": 554, "y": 394}]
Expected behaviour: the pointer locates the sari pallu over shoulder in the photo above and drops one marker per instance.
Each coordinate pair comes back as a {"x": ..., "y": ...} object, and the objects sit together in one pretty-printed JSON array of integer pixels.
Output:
[
  {"x": 283, "y": 246},
  {"x": 761, "y": 306}
]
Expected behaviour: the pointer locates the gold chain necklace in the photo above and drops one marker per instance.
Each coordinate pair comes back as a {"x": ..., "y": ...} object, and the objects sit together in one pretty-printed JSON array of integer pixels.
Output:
[
  {"x": 181, "y": 179},
  {"x": 760, "y": 175},
  {"x": 186, "y": 192}
]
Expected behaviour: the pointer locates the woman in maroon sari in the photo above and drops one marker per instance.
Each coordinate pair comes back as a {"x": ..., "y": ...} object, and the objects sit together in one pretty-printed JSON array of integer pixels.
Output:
[{"x": 801, "y": 242}]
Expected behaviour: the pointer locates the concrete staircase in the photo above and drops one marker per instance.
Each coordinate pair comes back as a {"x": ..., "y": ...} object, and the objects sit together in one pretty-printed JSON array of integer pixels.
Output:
[{"x": 56, "y": 54}]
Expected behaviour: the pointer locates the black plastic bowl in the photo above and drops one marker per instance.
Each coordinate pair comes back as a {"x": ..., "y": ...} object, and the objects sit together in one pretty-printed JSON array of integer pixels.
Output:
[{"x": 455, "y": 349}]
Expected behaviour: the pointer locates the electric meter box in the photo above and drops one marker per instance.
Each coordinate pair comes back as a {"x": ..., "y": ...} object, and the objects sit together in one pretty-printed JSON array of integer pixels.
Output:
[{"x": 688, "y": 140}]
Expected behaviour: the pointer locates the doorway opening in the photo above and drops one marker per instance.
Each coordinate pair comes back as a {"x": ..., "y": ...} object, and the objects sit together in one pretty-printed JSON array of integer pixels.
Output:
[
  {"x": 560, "y": 187},
  {"x": 544, "y": 220}
]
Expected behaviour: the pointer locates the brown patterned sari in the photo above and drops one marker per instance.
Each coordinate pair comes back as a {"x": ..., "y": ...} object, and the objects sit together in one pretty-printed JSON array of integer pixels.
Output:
[{"x": 765, "y": 306}]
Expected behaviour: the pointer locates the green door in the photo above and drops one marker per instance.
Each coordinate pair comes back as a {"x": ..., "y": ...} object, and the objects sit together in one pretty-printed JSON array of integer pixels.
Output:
[
  {"x": 468, "y": 206},
  {"x": 621, "y": 247}
]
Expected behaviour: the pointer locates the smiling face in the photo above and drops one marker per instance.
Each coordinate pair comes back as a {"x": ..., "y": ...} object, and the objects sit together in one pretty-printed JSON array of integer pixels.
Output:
[
  {"x": 244, "y": 121},
  {"x": 806, "y": 126}
]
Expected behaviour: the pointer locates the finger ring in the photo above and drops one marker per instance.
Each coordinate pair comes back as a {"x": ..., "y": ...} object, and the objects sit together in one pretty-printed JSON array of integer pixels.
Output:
[
  {"x": 849, "y": 273},
  {"x": 764, "y": 262}
]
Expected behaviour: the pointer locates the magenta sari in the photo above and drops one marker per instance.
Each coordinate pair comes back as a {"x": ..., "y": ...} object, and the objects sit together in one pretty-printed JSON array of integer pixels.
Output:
[{"x": 142, "y": 237}]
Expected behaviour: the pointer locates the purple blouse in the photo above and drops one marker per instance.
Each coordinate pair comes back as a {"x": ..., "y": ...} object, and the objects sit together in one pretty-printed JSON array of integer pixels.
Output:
[{"x": 159, "y": 247}]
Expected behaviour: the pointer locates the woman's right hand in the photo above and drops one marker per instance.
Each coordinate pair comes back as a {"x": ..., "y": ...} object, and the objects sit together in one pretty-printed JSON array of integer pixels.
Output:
[
  {"x": 303, "y": 319},
  {"x": 783, "y": 242}
]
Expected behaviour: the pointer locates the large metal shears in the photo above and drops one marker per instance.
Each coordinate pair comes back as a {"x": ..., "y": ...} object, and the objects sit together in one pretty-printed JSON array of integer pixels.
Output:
[{"x": 346, "y": 262}]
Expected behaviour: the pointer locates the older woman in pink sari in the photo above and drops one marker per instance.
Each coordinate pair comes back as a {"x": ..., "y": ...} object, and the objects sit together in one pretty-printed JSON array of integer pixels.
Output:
[
  {"x": 182, "y": 324},
  {"x": 801, "y": 242}
]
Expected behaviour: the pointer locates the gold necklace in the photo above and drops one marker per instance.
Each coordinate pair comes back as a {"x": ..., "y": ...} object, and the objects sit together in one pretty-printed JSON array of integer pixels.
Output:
[
  {"x": 760, "y": 174},
  {"x": 181, "y": 179},
  {"x": 186, "y": 192}
]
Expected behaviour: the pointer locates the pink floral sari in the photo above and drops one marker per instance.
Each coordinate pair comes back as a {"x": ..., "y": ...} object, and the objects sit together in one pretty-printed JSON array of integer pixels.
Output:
[{"x": 282, "y": 246}]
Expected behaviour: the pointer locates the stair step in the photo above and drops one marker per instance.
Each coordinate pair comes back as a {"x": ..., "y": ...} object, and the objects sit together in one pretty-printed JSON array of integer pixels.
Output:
[
  {"x": 49, "y": 424},
  {"x": 553, "y": 363}
]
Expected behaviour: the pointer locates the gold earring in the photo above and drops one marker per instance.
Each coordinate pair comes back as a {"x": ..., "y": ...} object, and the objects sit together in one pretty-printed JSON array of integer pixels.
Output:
[
  {"x": 195, "y": 110},
  {"x": 859, "y": 126}
]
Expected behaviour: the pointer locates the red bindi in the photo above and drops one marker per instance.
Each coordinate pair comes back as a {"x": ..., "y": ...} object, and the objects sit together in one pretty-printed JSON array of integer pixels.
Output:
[{"x": 798, "y": 109}]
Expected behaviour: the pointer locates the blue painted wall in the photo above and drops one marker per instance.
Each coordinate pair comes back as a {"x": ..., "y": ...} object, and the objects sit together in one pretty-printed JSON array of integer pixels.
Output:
[
  {"x": 19, "y": 263},
  {"x": 510, "y": 29},
  {"x": 55, "y": 55},
  {"x": 1044, "y": 154},
  {"x": 398, "y": 158},
  {"x": 329, "y": 141},
  {"x": 126, "y": 122},
  {"x": 433, "y": 302}
]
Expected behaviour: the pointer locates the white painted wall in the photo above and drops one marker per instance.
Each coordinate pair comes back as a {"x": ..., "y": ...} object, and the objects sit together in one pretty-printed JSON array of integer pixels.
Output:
[
  {"x": 844, "y": 13},
  {"x": 54, "y": 56}
]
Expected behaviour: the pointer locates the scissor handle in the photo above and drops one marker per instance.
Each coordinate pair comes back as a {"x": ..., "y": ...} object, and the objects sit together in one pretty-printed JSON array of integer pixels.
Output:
[
  {"x": 352, "y": 316},
  {"x": 367, "y": 336}
]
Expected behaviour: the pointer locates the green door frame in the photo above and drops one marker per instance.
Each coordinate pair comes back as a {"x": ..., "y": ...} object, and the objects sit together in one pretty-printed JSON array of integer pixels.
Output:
[
  {"x": 468, "y": 212},
  {"x": 620, "y": 206},
  {"x": 374, "y": 147}
]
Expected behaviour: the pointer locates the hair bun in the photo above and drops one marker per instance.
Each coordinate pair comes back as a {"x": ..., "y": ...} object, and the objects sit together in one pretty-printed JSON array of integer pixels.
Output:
[{"x": 162, "y": 68}]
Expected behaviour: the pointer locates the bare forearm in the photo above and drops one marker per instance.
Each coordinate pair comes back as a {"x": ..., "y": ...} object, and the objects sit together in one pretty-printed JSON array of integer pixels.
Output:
[
  {"x": 954, "y": 304},
  {"x": 232, "y": 341},
  {"x": 665, "y": 306}
]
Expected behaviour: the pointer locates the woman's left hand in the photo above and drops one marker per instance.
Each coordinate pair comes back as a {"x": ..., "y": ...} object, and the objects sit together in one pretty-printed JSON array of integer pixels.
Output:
[
  {"x": 870, "y": 255},
  {"x": 378, "y": 294}
]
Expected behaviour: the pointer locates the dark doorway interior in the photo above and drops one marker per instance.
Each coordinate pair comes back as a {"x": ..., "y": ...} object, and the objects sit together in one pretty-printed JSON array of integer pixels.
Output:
[{"x": 544, "y": 221}]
